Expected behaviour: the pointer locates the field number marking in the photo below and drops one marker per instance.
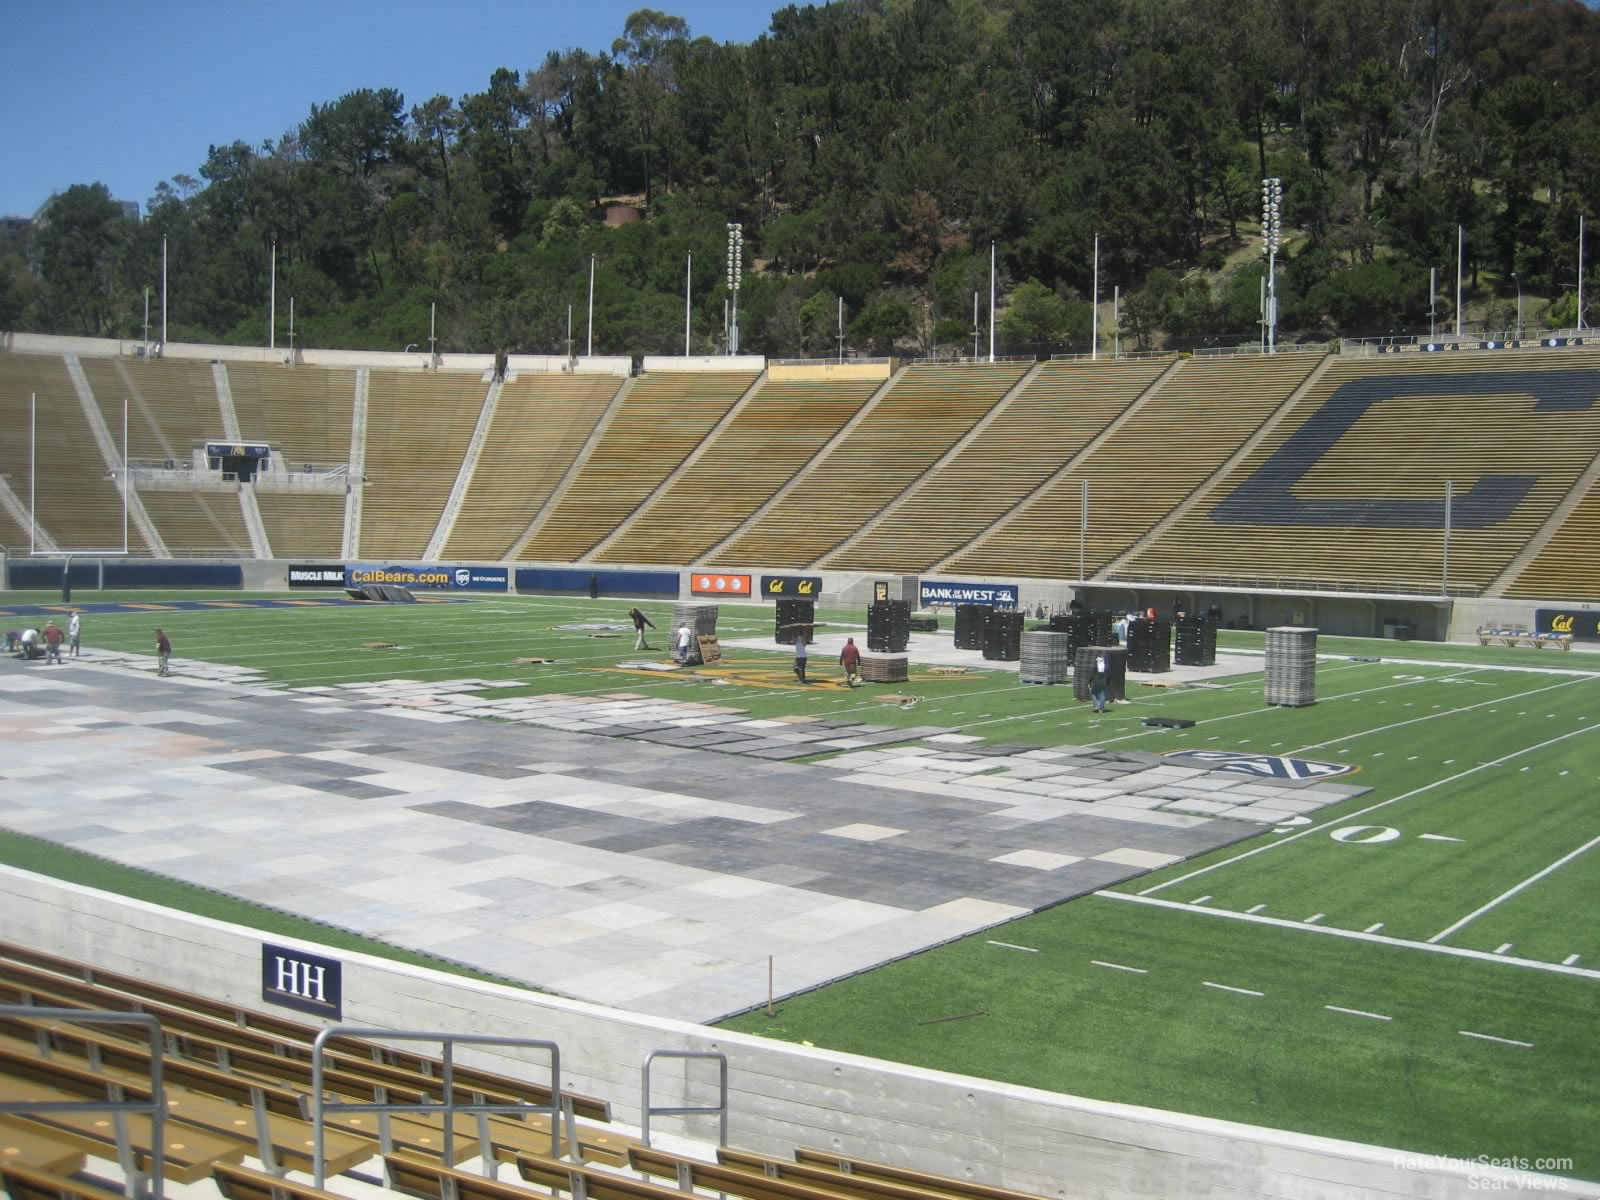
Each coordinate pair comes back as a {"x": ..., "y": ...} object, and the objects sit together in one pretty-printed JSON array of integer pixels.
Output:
[{"x": 1363, "y": 835}]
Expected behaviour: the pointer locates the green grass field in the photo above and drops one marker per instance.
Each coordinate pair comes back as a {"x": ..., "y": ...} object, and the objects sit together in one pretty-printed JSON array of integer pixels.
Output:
[{"x": 1418, "y": 967}]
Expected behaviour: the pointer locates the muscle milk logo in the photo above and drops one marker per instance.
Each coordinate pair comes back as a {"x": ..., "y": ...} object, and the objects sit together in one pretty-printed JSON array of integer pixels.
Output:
[{"x": 307, "y": 983}]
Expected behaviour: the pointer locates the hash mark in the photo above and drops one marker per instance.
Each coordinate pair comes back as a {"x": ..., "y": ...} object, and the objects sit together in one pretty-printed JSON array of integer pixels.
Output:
[
  {"x": 1256, "y": 909},
  {"x": 1489, "y": 1037},
  {"x": 1569, "y": 960},
  {"x": 1095, "y": 962},
  {"x": 1314, "y": 918},
  {"x": 1356, "y": 1012},
  {"x": 1373, "y": 928},
  {"x": 1503, "y": 948},
  {"x": 1013, "y": 946},
  {"x": 1222, "y": 987}
]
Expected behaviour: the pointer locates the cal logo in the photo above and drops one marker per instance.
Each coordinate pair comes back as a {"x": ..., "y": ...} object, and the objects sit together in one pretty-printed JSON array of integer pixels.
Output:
[
  {"x": 1265, "y": 766},
  {"x": 1562, "y": 624}
]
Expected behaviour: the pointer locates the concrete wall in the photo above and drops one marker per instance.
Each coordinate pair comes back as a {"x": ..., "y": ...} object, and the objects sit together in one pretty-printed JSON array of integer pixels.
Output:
[
  {"x": 879, "y": 369},
  {"x": 703, "y": 362},
  {"x": 781, "y": 1095}
]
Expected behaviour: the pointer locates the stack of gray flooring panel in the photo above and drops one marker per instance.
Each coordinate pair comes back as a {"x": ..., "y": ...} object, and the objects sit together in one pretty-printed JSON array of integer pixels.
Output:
[
  {"x": 1291, "y": 666},
  {"x": 1046, "y": 657}
]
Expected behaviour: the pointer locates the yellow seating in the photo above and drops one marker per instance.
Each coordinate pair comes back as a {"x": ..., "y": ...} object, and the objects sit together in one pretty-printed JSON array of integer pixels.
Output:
[{"x": 1567, "y": 567}]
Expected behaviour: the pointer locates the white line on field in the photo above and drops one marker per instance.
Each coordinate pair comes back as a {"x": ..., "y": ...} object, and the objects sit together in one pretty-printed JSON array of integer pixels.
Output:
[
  {"x": 1222, "y": 987},
  {"x": 1314, "y": 918},
  {"x": 1256, "y": 909},
  {"x": 1569, "y": 960},
  {"x": 1012, "y": 946},
  {"x": 1095, "y": 962},
  {"x": 1502, "y": 947},
  {"x": 1373, "y": 928},
  {"x": 1489, "y": 1037},
  {"x": 1437, "y": 837},
  {"x": 1353, "y": 935},
  {"x": 1356, "y": 1012},
  {"x": 1510, "y": 892},
  {"x": 1199, "y": 899},
  {"x": 1347, "y": 818}
]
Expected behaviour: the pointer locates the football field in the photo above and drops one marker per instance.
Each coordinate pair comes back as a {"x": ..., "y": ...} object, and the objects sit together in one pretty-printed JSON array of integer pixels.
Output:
[{"x": 1416, "y": 967}]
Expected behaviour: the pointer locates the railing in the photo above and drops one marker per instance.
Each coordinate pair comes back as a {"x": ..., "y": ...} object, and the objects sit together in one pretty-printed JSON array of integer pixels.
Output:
[
  {"x": 1286, "y": 583},
  {"x": 1480, "y": 339},
  {"x": 850, "y": 360}
]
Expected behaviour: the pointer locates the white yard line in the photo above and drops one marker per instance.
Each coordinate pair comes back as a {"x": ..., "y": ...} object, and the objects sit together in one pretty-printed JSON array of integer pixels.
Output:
[
  {"x": 1095, "y": 962},
  {"x": 1222, "y": 987},
  {"x": 1569, "y": 960},
  {"x": 1013, "y": 946},
  {"x": 1489, "y": 1037},
  {"x": 1356, "y": 1012},
  {"x": 1349, "y": 818},
  {"x": 1510, "y": 892},
  {"x": 1354, "y": 935},
  {"x": 1373, "y": 928}
]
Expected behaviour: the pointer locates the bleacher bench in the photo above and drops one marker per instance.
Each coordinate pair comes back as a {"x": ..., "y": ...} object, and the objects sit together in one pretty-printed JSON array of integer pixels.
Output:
[{"x": 1489, "y": 635}]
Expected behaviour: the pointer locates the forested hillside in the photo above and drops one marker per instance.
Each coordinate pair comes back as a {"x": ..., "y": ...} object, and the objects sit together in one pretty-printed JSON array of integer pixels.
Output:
[{"x": 872, "y": 151}]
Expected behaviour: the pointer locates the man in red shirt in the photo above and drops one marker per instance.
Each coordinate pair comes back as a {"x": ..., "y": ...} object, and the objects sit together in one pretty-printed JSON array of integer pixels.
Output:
[
  {"x": 850, "y": 660},
  {"x": 163, "y": 653},
  {"x": 52, "y": 642}
]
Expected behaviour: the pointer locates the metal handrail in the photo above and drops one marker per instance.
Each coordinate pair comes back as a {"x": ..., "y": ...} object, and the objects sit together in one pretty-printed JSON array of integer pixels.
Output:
[
  {"x": 447, "y": 1105},
  {"x": 156, "y": 1106},
  {"x": 646, "y": 1110}
]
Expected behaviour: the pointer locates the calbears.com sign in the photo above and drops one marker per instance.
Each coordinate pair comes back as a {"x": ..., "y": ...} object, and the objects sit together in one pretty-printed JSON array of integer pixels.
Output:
[{"x": 431, "y": 578}]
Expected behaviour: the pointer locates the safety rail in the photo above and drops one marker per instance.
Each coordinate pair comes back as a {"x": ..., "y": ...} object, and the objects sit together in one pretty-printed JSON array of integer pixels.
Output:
[
  {"x": 647, "y": 1110},
  {"x": 156, "y": 1106},
  {"x": 556, "y": 1110}
]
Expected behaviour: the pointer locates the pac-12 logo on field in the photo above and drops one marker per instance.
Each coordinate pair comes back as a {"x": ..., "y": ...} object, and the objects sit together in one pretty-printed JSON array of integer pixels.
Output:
[{"x": 1267, "y": 766}]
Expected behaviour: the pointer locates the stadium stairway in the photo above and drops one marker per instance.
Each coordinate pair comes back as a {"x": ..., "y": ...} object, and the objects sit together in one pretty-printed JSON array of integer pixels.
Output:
[
  {"x": 112, "y": 456},
  {"x": 469, "y": 467}
]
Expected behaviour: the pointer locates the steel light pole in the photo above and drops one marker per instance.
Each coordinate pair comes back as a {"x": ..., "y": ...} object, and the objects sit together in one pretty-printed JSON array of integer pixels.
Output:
[
  {"x": 1518, "y": 282},
  {"x": 735, "y": 275},
  {"x": 1271, "y": 236}
]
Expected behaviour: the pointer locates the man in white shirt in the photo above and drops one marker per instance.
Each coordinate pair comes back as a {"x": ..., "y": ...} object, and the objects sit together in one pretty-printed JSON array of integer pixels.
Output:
[{"x": 74, "y": 631}]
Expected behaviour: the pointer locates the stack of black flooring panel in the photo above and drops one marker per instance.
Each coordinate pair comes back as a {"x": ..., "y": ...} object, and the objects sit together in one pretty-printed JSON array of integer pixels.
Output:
[
  {"x": 1291, "y": 666},
  {"x": 969, "y": 626},
  {"x": 1195, "y": 642},
  {"x": 794, "y": 617},
  {"x": 1002, "y": 635},
  {"x": 1116, "y": 671},
  {"x": 1149, "y": 646},
  {"x": 888, "y": 626},
  {"x": 1046, "y": 657}
]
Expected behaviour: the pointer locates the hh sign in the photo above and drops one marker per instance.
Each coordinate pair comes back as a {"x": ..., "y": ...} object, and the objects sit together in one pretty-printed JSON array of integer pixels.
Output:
[
  {"x": 931, "y": 593},
  {"x": 307, "y": 983},
  {"x": 439, "y": 578}
]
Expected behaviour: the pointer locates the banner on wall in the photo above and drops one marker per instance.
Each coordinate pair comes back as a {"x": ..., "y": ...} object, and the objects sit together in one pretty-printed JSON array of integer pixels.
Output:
[
  {"x": 307, "y": 983},
  {"x": 311, "y": 575},
  {"x": 1583, "y": 626},
  {"x": 703, "y": 584},
  {"x": 431, "y": 577},
  {"x": 1001, "y": 595},
  {"x": 791, "y": 587}
]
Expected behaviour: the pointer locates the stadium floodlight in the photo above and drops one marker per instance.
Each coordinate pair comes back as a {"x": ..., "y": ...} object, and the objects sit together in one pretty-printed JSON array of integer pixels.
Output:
[
  {"x": 735, "y": 265},
  {"x": 1271, "y": 235},
  {"x": 1518, "y": 282}
]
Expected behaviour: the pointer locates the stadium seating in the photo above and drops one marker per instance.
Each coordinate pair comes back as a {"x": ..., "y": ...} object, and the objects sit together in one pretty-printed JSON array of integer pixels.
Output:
[
  {"x": 663, "y": 417},
  {"x": 76, "y": 501},
  {"x": 540, "y": 424},
  {"x": 1060, "y": 410},
  {"x": 771, "y": 437},
  {"x": 1360, "y": 467},
  {"x": 172, "y": 405},
  {"x": 1567, "y": 567},
  {"x": 303, "y": 413},
  {"x": 418, "y": 429},
  {"x": 198, "y": 524},
  {"x": 1172, "y": 441},
  {"x": 927, "y": 410}
]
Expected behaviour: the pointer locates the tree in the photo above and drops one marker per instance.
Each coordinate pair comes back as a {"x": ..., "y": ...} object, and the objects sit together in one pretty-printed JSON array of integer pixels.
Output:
[
  {"x": 81, "y": 244},
  {"x": 1036, "y": 316}
]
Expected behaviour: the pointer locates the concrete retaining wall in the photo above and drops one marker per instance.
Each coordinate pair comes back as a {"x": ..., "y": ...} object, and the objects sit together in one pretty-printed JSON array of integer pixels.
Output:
[{"x": 781, "y": 1095}]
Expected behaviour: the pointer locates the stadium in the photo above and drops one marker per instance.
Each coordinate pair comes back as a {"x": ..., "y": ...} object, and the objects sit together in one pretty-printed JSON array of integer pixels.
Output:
[{"x": 706, "y": 922}]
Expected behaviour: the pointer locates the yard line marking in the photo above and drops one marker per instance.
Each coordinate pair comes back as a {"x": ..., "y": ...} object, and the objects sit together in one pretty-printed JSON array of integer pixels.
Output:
[
  {"x": 1489, "y": 1037},
  {"x": 1380, "y": 939},
  {"x": 1356, "y": 1012},
  {"x": 1436, "y": 837},
  {"x": 1348, "y": 818},
  {"x": 1413, "y": 758},
  {"x": 1095, "y": 962},
  {"x": 1314, "y": 918},
  {"x": 1222, "y": 987},
  {"x": 1373, "y": 928},
  {"x": 1569, "y": 960},
  {"x": 1506, "y": 895},
  {"x": 1256, "y": 909},
  {"x": 1503, "y": 947},
  {"x": 1199, "y": 899},
  {"x": 1013, "y": 946}
]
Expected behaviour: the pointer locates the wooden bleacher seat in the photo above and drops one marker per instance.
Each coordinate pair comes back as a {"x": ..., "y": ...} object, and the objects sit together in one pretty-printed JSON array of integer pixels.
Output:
[
  {"x": 863, "y": 1185},
  {"x": 732, "y": 1179},
  {"x": 931, "y": 1185},
  {"x": 434, "y": 1181},
  {"x": 25, "y": 1145},
  {"x": 237, "y": 1182},
  {"x": 23, "y": 1182}
]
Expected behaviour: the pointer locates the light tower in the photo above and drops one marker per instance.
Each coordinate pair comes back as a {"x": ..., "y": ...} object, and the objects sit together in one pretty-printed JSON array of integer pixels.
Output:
[
  {"x": 1271, "y": 232},
  {"x": 735, "y": 273}
]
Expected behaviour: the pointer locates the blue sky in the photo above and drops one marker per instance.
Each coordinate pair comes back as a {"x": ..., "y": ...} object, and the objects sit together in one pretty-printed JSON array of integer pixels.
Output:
[{"x": 128, "y": 95}]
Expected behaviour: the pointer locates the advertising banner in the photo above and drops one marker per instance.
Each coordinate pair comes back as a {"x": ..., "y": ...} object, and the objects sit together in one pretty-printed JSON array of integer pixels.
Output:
[
  {"x": 932, "y": 593},
  {"x": 701, "y": 584},
  {"x": 308, "y": 983},
  {"x": 430, "y": 577},
  {"x": 791, "y": 587},
  {"x": 1583, "y": 626},
  {"x": 312, "y": 575}
]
